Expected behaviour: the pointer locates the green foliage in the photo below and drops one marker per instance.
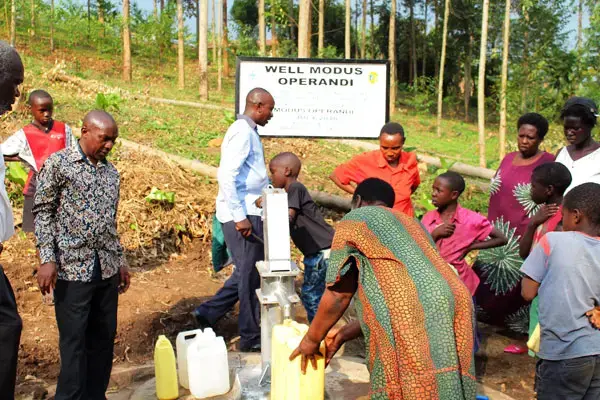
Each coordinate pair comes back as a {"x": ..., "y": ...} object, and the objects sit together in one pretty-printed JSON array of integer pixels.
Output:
[
  {"x": 16, "y": 173},
  {"x": 245, "y": 14},
  {"x": 228, "y": 117},
  {"x": 160, "y": 196},
  {"x": 108, "y": 102}
]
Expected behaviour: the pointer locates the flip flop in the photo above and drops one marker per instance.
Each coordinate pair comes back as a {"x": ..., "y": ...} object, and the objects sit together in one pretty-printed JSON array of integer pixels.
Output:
[{"x": 515, "y": 349}]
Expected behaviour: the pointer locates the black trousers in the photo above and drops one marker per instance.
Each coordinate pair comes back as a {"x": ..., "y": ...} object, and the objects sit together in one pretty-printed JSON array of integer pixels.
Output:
[
  {"x": 86, "y": 315},
  {"x": 241, "y": 285},
  {"x": 10, "y": 336}
]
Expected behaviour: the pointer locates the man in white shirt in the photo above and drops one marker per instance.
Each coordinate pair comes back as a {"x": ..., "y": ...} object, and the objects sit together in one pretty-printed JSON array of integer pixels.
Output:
[
  {"x": 242, "y": 176},
  {"x": 11, "y": 76}
]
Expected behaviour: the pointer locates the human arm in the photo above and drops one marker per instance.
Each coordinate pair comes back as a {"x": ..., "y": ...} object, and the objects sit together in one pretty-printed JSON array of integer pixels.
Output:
[
  {"x": 336, "y": 337},
  {"x": 545, "y": 212},
  {"x": 496, "y": 239},
  {"x": 334, "y": 302},
  {"x": 46, "y": 202},
  {"x": 348, "y": 188},
  {"x": 529, "y": 288},
  {"x": 234, "y": 152}
]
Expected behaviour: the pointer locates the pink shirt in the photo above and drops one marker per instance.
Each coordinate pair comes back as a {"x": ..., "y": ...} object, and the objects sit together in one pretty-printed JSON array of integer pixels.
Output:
[{"x": 470, "y": 227}]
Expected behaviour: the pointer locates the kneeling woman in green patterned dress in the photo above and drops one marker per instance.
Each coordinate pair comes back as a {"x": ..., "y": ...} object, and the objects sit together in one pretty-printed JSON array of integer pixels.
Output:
[{"x": 415, "y": 313}]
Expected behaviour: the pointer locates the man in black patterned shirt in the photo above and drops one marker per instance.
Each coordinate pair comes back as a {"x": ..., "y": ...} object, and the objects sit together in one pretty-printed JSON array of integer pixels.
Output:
[{"x": 75, "y": 209}]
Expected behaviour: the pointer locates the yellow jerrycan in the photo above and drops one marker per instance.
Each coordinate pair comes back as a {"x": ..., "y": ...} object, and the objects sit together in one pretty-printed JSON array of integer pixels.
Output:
[
  {"x": 165, "y": 370},
  {"x": 287, "y": 380}
]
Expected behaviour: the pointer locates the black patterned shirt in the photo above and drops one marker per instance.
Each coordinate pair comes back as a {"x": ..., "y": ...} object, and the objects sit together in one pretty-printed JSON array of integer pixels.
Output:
[{"x": 75, "y": 209}]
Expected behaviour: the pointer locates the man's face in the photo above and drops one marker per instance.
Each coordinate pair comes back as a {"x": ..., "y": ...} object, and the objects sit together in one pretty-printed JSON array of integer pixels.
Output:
[
  {"x": 391, "y": 146},
  {"x": 99, "y": 141},
  {"x": 264, "y": 110},
  {"x": 9, "y": 86},
  {"x": 41, "y": 109}
]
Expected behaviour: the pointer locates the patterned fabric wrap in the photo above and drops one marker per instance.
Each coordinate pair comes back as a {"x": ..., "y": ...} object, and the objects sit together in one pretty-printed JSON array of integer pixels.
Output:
[{"x": 415, "y": 313}]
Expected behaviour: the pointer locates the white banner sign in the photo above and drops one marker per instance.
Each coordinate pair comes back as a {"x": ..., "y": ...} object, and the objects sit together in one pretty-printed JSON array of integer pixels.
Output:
[{"x": 318, "y": 98}]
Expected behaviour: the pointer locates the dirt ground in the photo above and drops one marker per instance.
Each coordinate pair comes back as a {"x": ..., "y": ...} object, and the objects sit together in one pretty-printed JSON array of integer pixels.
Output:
[{"x": 159, "y": 302}]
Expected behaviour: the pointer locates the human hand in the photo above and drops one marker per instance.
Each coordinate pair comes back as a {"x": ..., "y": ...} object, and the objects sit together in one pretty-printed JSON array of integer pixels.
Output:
[
  {"x": 244, "y": 227},
  {"x": 443, "y": 231},
  {"x": 124, "y": 279},
  {"x": 308, "y": 349},
  {"x": 333, "y": 341},
  {"x": 465, "y": 252},
  {"x": 258, "y": 202},
  {"x": 594, "y": 317},
  {"x": 46, "y": 277},
  {"x": 545, "y": 212}
]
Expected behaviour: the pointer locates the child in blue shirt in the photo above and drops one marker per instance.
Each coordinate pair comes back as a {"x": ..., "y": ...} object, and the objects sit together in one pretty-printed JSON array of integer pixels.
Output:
[{"x": 563, "y": 270}]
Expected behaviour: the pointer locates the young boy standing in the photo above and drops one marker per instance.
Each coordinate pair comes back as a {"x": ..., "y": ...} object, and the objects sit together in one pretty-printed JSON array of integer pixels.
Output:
[
  {"x": 457, "y": 231},
  {"x": 34, "y": 144},
  {"x": 563, "y": 271},
  {"x": 548, "y": 184},
  {"x": 308, "y": 229}
]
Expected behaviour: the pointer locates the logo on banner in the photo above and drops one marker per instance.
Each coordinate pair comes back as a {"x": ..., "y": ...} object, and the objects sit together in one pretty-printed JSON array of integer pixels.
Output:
[{"x": 373, "y": 77}]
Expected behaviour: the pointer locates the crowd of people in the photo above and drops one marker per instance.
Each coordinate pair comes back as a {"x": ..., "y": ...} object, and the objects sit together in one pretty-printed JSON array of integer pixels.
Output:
[{"x": 414, "y": 292}]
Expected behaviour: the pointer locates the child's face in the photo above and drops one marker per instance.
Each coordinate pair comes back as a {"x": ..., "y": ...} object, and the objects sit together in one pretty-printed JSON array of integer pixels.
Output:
[
  {"x": 42, "y": 109},
  {"x": 539, "y": 192},
  {"x": 278, "y": 175},
  {"x": 391, "y": 146},
  {"x": 442, "y": 194}
]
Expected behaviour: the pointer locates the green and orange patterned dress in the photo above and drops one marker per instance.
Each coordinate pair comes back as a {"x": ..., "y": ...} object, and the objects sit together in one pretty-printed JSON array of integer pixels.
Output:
[{"x": 415, "y": 313}]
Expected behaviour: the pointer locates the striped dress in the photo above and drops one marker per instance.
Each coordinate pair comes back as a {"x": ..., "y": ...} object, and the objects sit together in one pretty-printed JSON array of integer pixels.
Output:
[{"x": 415, "y": 313}]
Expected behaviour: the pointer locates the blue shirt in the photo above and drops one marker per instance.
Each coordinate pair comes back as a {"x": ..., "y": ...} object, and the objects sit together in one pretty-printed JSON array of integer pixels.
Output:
[
  {"x": 242, "y": 172},
  {"x": 567, "y": 266}
]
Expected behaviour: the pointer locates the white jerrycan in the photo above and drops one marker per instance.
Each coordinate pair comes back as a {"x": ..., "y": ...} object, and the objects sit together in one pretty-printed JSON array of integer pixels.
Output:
[
  {"x": 208, "y": 368},
  {"x": 182, "y": 343}
]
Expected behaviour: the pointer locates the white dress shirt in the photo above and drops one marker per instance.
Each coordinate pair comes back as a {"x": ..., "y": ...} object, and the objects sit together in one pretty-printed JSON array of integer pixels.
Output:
[
  {"x": 242, "y": 172},
  {"x": 6, "y": 216}
]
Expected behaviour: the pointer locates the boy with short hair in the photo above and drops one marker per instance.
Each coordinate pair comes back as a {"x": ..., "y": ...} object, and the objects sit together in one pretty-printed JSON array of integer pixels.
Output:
[
  {"x": 457, "y": 231},
  {"x": 308, "y": 229},
  {"x": 563, "y": 271},
  {"x": 548, "y": 185},
  {"x": 34, "y": 144}
]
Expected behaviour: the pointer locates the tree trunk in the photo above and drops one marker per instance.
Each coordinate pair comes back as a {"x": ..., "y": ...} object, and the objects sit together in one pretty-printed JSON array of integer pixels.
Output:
[
  {"x": 219, "y": 18},
  {"x": 225, "y": 41},
  {"x": 442, "y": 65},
  {"x": 155, "y": 9},
  {"x": 309, "y": 29},
  {"x": 303, "y": 21},
  {"x": 436, "y": 26},
  {"x": 413, "y": 43},
  {"x": 363, "y": 33},
  {"x": 51, "y": 25},
  {"x": 89, "y": 18},
  {"x": 525, "y": 76},
  {"x": 321, "y": 37},
  {"x": 32, "y": 31},
  {"x": 468, "y": 77},
  {"x": 274, "y": 38},
  {"x": 481, "y": 83},
  {"x": 392, "y": 57},
  {"x": 7, "y": 19},
  {"x": 579, "y": 25},
  {"x": 180, "y": 46},
  {"x": 126, "y": 43},
  {"x": 291, "y": 19},
  {"x": 372, "y": 36},
  {"x": 262, "y": 31},
  {"x": 162, "y": 6},
  {"x": 214, "y": 32},
  {"x": 203, "y": 50},
  {"x": 13, "y": 23},
  {"x": 424, "y": 65},
  {"x": 100, "y": 6},
  {"x": 356, "y": 41},
  {"x": 504, "y": 80},
  {"x": 347, "y": 49}
]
